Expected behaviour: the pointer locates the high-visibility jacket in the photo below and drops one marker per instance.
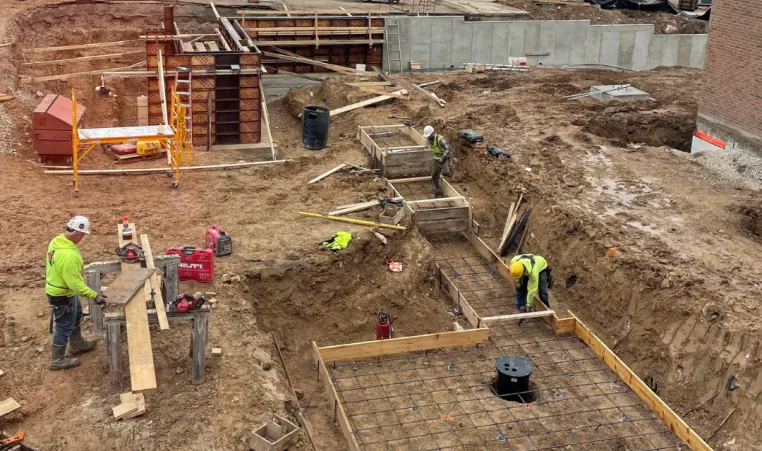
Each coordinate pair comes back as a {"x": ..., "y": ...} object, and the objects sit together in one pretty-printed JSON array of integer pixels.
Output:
[
  {"x": 339, "y": 241},
  {"x": 63, "y": 270},
  {"x": 533, "y": 265},
  {"x": 439, "y": 148}
]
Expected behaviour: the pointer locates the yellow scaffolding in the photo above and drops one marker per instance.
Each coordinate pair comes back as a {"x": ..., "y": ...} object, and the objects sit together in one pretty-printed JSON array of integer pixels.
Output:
[{"x": 174, "y": 137}]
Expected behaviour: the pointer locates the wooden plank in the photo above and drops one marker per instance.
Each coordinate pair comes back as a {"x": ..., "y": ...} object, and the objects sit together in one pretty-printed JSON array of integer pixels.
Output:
[
  {"x": 121, "y": 290},
  {"x": 565, "y": 325},
  {"x": 518, "y": 316},
  {"x": 423, "y": 203},
  {"x": 440, "y": 214},
  {"x": 162, "y": 170},
  {"x": 7, "y": 406},
  {"x": 636, "y": 384},
  {"x": 402, "y": 345},
  {"x": 276, "y": 31},
  {"x": 354, "y": 208},
  {"x": 222, "y": 39},
  {"x": 155, "y": 282},
  {"x": 310, "y": 12},
  {"x": 70, "y": 75},
  {"x": 330, "y": 390},
  {"x": 187, "y": 47},
  {"x": 448, "y": 190},
  {"x": 137, "y": 398},
  {"x": 299, "y": 59},
  {"x": 326, "y": 174},
  {"x": 468, "y": 311},
  {"x": 446, "y": 226},
  {"x": 83, "y": 58},
  {"x": 142, "y": 372},
  {"x": 124, "y": 409},
  {"x": 266, "y": 118},
  {"x": 212, "y": 46},
  {"x": 200, "y": 46},
  {"x": 371, "y": 83},
  {"x": 313, "y": 42},
  {"x": 382, "y": 75},
  {"x": 365, "y": 103},
  {"x": 163, "y": 94},
  {"x": 411, "y": 180},
  {"x": 84, "y": 46}
]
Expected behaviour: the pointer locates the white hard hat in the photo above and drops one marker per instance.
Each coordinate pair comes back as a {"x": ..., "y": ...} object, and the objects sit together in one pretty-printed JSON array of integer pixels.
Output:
[
  {"x": 79, "y": 224},
  {"x": 428, "y": 131}
]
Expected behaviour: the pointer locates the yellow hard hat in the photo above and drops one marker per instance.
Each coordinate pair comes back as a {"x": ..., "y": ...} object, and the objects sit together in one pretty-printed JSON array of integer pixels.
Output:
[{"x": 517, "y": 269}]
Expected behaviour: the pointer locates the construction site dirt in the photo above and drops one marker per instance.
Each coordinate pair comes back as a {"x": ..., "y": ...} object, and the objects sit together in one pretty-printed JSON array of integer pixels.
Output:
[{"x": 653, "y": 250}]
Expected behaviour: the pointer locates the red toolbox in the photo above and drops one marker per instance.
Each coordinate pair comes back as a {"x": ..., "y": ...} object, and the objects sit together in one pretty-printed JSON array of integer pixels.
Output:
[{"x": 195, "y": 263}]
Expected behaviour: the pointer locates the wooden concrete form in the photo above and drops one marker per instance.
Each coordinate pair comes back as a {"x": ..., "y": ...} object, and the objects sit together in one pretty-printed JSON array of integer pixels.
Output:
[
  {"x": 431, "y": 216},
  {"x": 277, "y": 434},
  {"x": 396, "y": 162}
]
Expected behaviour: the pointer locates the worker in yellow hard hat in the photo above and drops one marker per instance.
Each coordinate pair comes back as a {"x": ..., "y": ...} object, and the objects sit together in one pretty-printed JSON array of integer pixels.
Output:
[{"x": 533, "y": 277}]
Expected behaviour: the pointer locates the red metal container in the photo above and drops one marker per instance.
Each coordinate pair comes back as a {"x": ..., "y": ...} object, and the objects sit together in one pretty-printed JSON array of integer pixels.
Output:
[
  {"x": 52, "y": 126},
  {"x": 383, "y": 327},
  {"x": 195, "y": 263}
]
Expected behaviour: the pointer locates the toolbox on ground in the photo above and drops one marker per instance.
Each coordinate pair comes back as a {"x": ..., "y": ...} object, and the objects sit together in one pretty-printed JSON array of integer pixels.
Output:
[
  {"x": 195, "y": 263},
  {"x": 218, "y": 241}
]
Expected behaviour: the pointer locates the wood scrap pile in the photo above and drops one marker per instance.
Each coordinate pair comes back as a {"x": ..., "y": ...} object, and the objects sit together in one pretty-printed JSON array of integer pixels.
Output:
[
  {"x": 513, "y": 236},
  {"x": 133, "y": 405}
]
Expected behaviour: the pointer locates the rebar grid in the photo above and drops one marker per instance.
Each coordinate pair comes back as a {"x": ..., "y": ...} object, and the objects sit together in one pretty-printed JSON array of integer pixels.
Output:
[
  {"x": 443, "y": 400},
  {"x": 486, "y": 291}
]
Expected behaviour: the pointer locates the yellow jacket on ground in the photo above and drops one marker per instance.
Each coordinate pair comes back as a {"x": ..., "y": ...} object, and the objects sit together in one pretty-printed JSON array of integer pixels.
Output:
[
  {"x": 533, "y": 265},
  {"x": 63, "y": 270}
]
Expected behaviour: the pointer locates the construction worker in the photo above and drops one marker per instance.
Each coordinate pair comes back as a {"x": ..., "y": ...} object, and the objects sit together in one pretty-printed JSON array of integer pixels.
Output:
[
  {"x": 64, "y": 285},
  {"x": 533, "y": 276},
  {"x": 442, "y": 155}
]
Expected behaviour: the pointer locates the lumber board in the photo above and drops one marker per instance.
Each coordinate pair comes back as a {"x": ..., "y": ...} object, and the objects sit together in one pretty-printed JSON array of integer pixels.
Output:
[
  {"x": 354, "y": 208},
  {"x": 163, "y": 95},
  {"x": 327, "y": 173},
  {"x": 468, "y": 311},
  {"x": 423, "y": 202},
  {"x": 142, "y": 372},
  {"x": 139, "y": 399},
  {"x": 200, "y": 46},
  {"x": 152, "y": 170},
  {"x": 212, "y": 46},
  {"x": 83, "y": 46},
  {"x": 222, "y": 39},
  {"x": 121, "y": 290},
  {"x": 365, "y": 103},
  {"x": 311, "y": 42},
  {"x": 412, "y": 180},
  {"x": 71, "y": 75},
  {"x": 440, "y": 214},
  {"x": 158, "y": 298},
  {"x": 124, "y": 409},
  {"x": 444, "y": 226},
  {"x": 378, "y": 348},
  {"x": 341, "y": 416},
  {"x": 266, "y": 118},
  {"x": 83, "y": 58},
  {"x": 7, "y": 406},
  {"x": 311, "y": 12},
  {"x": 311, "y": 30},
  {"x": 518, "y": 316},
  {"x": 636, "y": 384}
]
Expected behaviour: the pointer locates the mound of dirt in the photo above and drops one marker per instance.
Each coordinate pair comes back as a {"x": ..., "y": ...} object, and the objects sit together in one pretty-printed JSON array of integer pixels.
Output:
[{"x": 655, "y": 128}]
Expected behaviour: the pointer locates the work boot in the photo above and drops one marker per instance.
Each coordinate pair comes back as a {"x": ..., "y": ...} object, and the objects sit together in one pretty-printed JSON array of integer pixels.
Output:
[
  {"x": 59, "y": 361},
  {"x": 78, "y": 344}
]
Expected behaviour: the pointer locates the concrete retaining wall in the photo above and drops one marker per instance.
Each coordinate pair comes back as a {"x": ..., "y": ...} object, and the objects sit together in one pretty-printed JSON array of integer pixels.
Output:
[{"x": 443, "y": 42}]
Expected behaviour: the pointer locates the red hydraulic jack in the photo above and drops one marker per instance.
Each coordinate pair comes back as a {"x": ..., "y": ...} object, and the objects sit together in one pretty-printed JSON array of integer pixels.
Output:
[{"x": 384, "y": 327}]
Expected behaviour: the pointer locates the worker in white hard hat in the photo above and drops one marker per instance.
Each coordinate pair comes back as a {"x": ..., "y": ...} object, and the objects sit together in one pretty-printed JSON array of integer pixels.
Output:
[
  {"x": 64, "y": 284},
  {"x": 442, "y": 155}
]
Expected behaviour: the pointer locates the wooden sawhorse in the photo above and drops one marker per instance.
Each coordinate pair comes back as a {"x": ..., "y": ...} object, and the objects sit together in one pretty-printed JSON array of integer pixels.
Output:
[{"x": 115, "y": 321}]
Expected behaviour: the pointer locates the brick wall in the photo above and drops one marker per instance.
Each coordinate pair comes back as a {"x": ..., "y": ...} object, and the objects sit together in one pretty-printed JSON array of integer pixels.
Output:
[{"x": 733, "y": 65}]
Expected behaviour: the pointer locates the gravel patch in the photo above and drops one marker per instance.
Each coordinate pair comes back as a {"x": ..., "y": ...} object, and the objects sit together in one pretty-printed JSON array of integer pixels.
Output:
[{"x": 737, "y": 166}]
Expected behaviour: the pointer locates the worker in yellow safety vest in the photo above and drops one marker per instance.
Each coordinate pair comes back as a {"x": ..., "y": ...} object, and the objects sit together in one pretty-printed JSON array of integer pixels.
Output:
[
  {"x": 64, "y": 285},
  {"x": 442, "y": 155},
  {"x": 533, "y": 276}
]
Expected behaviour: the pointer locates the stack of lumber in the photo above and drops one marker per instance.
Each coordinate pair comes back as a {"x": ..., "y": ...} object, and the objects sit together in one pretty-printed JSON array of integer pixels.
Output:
[
  {"x": 514, "y": 224},
  {"x": 133, "y": 405}
]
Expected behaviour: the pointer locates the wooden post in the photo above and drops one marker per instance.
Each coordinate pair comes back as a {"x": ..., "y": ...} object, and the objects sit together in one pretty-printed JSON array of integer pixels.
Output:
[
  {"x": 93, "y": 279},
  {"x": 198, "y": 339},
  {"x": 209, "y": 122},
  {"x": 170, "y": 287},
  {"x": 114, "y": 351}
]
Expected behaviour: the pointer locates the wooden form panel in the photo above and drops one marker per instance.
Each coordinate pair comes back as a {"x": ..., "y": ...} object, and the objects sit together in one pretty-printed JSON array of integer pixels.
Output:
[
  {"x": 636, "y": 384},
  {"x": 341, "y": 416},
  {"x": 397, "y": 162},
  {"x": 402, "y": 345},
  {"x": 457, "y": 298}
]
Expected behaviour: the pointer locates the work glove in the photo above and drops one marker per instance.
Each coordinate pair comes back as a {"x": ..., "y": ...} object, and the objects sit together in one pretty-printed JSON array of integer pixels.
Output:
[{"x": 100, "y": 299}]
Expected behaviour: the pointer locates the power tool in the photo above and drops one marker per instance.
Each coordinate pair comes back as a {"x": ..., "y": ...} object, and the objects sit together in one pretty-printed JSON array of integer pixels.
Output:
[
  {"x": 185, "y": 302},
  {"x": 131, "y": 253},
  {"x": 384, "y": 328}
]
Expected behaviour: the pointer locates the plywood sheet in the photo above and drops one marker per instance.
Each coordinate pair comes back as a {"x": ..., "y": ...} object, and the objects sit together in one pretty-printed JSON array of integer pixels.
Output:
[{"x": 120, "y": 291}]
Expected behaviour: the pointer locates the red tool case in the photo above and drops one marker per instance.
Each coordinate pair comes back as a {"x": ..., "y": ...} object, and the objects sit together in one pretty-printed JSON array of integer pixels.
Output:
[{"x": 195, "y": 263}]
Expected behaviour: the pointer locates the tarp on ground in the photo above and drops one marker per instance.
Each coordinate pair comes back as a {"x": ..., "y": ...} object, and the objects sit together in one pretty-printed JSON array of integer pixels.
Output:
[{"x": 638, "y": 5}]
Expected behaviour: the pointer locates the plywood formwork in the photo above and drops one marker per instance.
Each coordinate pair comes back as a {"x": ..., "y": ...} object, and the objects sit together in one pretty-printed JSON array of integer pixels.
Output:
[
  {"x": 432, "y": 216},
  {"x": 337, "y": 39},
  {"x": 397, "y": 150}
]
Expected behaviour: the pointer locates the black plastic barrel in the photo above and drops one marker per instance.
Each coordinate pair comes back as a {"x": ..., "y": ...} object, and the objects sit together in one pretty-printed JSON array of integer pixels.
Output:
[
  {"x": 315, "y": 120},
  {"x": 513, "y": 378}
]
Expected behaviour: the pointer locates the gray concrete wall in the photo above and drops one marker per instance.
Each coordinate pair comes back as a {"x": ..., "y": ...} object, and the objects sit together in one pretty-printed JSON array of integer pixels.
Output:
[{"x": 444, "y": 42}]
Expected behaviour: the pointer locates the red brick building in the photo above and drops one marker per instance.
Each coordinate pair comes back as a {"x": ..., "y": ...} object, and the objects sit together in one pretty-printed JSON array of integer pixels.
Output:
[{"x": 730, "y": 108}]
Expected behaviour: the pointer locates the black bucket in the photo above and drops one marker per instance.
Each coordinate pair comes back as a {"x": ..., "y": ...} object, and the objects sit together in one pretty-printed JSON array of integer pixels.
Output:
[
  {"x": 513, "y": 378},
  {"x": 315, "y": 120}
]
